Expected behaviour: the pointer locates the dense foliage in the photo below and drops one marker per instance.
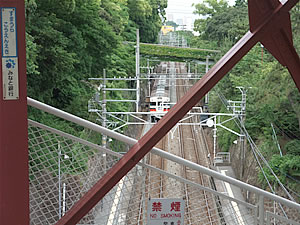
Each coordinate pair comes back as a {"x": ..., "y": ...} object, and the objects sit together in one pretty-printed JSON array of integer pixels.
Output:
[
  {"x": 69, "y": 41},
  {"x": 273, "y": 97},
  {"x": 168, "y": 53}
]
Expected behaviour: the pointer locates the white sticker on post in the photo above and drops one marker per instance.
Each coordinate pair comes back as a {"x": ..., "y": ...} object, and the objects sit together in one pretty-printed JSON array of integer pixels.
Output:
[
  {"x": 10, "y": 70},
  {"x": 10, "y": 78}
]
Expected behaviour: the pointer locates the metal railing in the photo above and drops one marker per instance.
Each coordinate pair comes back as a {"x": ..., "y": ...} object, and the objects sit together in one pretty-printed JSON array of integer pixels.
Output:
[{"x": 63, "y": 167}]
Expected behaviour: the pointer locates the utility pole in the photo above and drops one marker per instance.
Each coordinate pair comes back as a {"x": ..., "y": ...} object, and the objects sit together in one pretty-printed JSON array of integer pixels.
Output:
[
  {"x": 148, "y": 74},
  {"x": 242, "y": 116},
  {"x": 137, "y": 69},
  {"x": 239, "y": 108},
  {"x": 104, "y": 137},
  {"x": 206, "y": 101},
  {"x": 103, "y": 103},
  {"x": 215, "y": 140}
]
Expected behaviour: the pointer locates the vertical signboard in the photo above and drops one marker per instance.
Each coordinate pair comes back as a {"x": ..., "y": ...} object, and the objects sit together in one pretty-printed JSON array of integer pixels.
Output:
[
  {"x": 14, "y": 180},
  {"x": 165, "y": 211},
  {"x": 10, "y": 72}
]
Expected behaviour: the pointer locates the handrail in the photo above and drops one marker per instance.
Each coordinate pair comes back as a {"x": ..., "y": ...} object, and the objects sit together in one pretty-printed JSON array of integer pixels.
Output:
[{"x": 131, "y": 141}]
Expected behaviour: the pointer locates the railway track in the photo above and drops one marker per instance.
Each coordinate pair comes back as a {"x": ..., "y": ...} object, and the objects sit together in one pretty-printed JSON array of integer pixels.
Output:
[
  {"x": 191, "y": 147},
  {"x": 147, "y": 185},
  {"x": 155, "y": 181},
  {"x": 188, "y": 143},
  {"x": 152, "y": 185}
]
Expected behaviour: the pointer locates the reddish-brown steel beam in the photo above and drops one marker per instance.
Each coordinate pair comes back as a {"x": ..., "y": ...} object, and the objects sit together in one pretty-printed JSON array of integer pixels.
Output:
[
  {"x": 148, "y": 141},
  {"x": 287, "y": 50},
  {"x": 14, "y": 175},
  {"x": 277, "y": 38}
]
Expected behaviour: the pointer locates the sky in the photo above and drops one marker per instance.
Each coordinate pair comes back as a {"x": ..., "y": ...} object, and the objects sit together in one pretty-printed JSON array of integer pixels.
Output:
[{"x": 181, "y": 12}]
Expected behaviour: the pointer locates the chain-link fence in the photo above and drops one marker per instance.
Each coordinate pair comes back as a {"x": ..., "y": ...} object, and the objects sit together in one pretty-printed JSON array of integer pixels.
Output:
[{"x": 63, "y": 168}]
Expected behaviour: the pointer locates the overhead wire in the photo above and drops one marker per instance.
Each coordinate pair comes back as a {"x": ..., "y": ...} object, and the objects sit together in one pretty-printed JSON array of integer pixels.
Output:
[
  {"x": 256, "y": 152},
  {"x": 294, "y": 192},
  {"x": 253, "y": 147},
  {"x": 242, "y": 127},
  {"x": 264, "y": 160},
  {"x": 295, "y": 135}
]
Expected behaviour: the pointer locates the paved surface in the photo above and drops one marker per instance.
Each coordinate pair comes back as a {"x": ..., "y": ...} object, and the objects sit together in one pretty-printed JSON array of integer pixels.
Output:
[{"x": 239, "y": 214}]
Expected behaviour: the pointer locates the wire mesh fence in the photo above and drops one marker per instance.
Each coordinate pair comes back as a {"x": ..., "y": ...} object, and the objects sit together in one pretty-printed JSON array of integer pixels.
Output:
[
  {"x": 63, "y": 168},
  {"x": 272, "y": 218}
]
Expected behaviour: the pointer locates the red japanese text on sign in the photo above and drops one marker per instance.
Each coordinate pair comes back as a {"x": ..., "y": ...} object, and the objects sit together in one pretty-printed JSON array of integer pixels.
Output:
[
  {"x": 163, "y": 211},
  {"x": 156, "y": 206},
  {"x": 175, "y": 206}
]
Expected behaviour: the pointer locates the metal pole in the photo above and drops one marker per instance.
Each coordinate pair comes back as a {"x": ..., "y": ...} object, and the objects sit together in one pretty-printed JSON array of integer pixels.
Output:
[
  {"x": 59, "y": 182},
  {"x": 242, "y": 139},
  {"x": 64, "y": 200},
  {"x": 137, "y": 69},
  {"x": 261, "y": 213},
  {"x": 215, "y": 139},
  {"x": 149, "y": 72},
  {"x": 104, "y": 137},
  {"x": 206, "y": 70},
  {"x": 276, "y": 140}
]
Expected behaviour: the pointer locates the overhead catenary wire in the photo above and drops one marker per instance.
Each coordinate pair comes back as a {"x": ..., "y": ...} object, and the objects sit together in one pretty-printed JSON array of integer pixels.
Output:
[
  {"x": 263, "y": 159},
  {"x": 253, "y": 146},
  {"x": 256, "y": 152},
  {"x": 292, "y": 178},
  {"x": 269, "y": 184},
  {"x": 290, "y": 132},
  {"x": 294, "y": 192}
]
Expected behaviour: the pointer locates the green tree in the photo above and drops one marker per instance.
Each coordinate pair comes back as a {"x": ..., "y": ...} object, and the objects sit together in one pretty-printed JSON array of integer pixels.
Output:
[
  {"x": 221, "y": 21},
  {"x": 240, "y": 3},
  {"x": 70, "y": 40},
  {"x": 287, "y": 168},
  {"x": 172, "y": 23},
  {"x": 147, "y": 15},
  {"x": 208, "y": 9}
]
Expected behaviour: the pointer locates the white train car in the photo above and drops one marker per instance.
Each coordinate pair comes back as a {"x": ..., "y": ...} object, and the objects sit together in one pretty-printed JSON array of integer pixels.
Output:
[{"x": 160, "y": 99}]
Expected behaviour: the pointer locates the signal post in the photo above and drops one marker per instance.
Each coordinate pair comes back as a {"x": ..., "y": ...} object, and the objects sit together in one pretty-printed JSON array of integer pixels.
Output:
[{"x": 14, "y": 179}]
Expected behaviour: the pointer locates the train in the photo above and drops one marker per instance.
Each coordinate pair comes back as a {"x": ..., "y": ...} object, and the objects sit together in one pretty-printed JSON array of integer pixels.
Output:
[{"x": 159, "y": 98}]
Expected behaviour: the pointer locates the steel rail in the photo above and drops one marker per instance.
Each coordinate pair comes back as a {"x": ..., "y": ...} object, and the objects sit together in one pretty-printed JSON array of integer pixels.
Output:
[
  {"x": 203, "y": 179},
  {"x": 181, "y": 147},
  {"x": 194, "y": 141}
]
